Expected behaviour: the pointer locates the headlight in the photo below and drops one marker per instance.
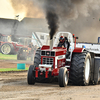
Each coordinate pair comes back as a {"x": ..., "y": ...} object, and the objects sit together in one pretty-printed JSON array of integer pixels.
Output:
[{"x": 23, "y": 50}]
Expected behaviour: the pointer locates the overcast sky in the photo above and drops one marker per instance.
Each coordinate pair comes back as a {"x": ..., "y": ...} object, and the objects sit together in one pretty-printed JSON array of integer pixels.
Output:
[{"x": 6, "y": 10}]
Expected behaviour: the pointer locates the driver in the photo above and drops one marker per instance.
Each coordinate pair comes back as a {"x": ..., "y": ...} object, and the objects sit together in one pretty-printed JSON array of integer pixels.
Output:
[{"x": 63, "y": 42}]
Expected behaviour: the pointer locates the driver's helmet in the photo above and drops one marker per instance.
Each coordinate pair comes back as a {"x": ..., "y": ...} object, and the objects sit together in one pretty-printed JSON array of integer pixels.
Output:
[{"x": 61, "y": 39}]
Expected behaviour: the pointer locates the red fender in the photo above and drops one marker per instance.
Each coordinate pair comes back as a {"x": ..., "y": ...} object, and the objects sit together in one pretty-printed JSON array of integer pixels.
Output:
[
  {"x": 45, "y": 47},
  {"x": 78, "y": 50}
]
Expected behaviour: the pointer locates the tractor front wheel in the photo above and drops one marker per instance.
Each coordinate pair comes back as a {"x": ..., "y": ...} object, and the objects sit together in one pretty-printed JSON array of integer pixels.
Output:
[
  {"x": 63, "y": 77},
  {"x": 30, "y": 77},
  {"x": 37, "y": 58}
]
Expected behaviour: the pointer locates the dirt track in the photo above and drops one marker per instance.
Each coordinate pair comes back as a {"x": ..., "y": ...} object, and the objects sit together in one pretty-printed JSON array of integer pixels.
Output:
[
  {"x": 13, "y": 63},
  {"x": 13, "y": 86}
]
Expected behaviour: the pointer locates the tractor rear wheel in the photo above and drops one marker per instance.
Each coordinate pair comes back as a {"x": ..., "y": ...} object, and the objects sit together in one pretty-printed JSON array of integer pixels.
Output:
[
  {"x": 30, "y": 77},
  {"x": 63, "y": 77},
  {"x": 7, "y": 48},
  {"x": 80, "y": 69},
  {"x": 97, "y": 71},
  {"x": 37, "y": 58}
]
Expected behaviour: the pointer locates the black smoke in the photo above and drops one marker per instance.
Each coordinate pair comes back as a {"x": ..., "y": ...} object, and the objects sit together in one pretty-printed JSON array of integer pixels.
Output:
[
  {"x": 54, "y": 10},
  {"x": 75, "y": 16},
  {"x": 52, "y": 17},
  {"x": 53, "y": 22}
]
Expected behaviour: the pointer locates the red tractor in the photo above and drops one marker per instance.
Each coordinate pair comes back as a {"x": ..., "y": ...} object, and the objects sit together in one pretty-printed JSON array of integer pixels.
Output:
[
  {"x": 80, "y": 67},
  {"x": 7, "y": 46},
  {"x": 21, "y": 48}
]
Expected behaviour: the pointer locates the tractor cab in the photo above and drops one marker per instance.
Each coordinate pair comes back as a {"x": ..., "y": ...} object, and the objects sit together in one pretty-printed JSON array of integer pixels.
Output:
[{"x": 70, "y": 40}]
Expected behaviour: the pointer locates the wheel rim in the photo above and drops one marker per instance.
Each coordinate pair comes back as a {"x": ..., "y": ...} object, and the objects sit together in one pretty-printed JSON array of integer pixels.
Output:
[
  {"x": 66, "y": 79},
  {"x": 87, "y": 70},
  {"x": 5, "y": 49}
]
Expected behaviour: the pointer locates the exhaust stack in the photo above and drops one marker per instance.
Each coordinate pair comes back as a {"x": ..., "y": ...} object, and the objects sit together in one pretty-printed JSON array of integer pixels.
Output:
[{"x": 51, "y": 44}]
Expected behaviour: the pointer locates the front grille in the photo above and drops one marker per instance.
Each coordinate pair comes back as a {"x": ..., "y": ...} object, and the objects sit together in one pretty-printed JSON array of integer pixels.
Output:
[
  {"x": 48, "y": 61},
  {"x": 42, "y": 52}
]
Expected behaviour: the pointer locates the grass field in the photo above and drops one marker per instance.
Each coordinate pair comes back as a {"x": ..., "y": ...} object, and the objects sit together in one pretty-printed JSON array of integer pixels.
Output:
[
  {"x": 11, "y": 69},
  {"x": 8, "y": 57}
]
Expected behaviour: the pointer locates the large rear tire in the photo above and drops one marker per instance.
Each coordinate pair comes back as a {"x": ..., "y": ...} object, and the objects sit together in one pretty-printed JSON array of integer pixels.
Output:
[
  {"x": 30, "y": 77},
  {"x": 97, "y": 71},
  {"x": 7, "y": 48},
  {"x": 80, "y": 69},
  {"x": 37, "y": 58},
  {"x": 63, "y": 77}
]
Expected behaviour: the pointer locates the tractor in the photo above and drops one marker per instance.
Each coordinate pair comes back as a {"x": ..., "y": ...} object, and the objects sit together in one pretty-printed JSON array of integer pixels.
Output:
[
  {"x": 21, "y": 47},
  {"x": 25, "y": 53},
  {"x": 7, "y": 46},
  {"x": 77, "y": 66}
]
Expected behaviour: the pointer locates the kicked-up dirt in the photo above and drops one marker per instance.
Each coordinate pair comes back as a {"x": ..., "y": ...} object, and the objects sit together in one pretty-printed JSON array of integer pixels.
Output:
[{"x": 13, "y": 86}]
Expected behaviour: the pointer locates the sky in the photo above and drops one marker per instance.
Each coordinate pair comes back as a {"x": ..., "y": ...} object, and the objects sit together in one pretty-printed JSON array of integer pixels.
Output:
[
  {"x": 23, "y": 8},
  {"x": 6, "y": 10}
]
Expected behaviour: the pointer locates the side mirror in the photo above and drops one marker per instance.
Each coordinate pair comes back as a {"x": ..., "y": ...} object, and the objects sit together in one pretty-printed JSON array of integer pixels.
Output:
[{"x": 76, "y": 37}]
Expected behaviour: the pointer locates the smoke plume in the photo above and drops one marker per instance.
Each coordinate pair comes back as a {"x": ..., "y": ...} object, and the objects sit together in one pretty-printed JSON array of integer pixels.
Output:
[
  {"x": 53, "y": 23},
  {"x": 52, "y": 18},
  {"x": 54, "y": 10},
  {"x": 77, "y": 16},
  {"x": 81, "y": 17}
]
